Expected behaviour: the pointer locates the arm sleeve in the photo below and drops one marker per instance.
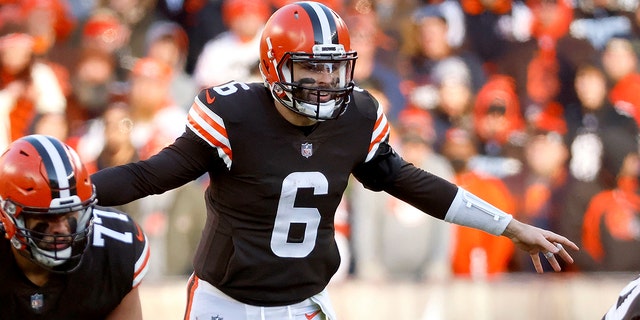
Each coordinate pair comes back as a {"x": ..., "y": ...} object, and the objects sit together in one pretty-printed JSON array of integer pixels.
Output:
[
  {"x": 423, "y": 190},
  {"x": 430, "y": 193},
  {"x": 389, "y": 172},
  {"x": 185, "y": 160}
]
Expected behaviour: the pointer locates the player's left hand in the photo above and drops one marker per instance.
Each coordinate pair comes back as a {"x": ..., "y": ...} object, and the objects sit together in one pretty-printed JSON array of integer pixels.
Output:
[{"x": 535, "y": 240}]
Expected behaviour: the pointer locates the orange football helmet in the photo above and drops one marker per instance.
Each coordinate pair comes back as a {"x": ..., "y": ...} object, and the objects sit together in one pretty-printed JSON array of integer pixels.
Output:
[
  {"x": 42, "y": 178},
  {"x": 315, "y": 38}
]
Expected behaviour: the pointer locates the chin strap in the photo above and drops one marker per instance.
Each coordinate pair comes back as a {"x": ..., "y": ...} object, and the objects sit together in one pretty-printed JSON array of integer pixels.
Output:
[{"x": 469, "y": 210}]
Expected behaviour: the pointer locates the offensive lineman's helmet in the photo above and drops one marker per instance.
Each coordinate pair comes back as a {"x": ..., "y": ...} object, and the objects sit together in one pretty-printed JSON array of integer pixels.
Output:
[
  {"x": 41, "y": 178},
  {"x": 314, "y": 36}
]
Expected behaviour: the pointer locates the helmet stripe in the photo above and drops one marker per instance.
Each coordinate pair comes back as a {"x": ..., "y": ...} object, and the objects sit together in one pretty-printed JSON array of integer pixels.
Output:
[
  {"x": 56, "y": 163},
  {"x": 324, "y": 25}
]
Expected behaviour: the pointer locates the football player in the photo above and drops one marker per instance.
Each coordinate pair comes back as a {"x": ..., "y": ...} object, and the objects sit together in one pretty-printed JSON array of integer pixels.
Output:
[
  {"x": 61, "y": 256},
  {"x": 279, "y": 156}
]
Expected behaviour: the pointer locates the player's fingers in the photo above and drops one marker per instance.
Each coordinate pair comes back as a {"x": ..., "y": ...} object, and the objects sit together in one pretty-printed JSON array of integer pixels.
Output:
[
  {"x": 553, "y": 261},
  {"x": 535, "y": 258},
  {"x": 566, "y": 243},
  {"x": 564, "y": 254}
]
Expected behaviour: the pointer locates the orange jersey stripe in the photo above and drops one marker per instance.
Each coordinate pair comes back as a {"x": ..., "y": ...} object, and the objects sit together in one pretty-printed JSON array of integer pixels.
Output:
[
  {"x": 193, "y": 285},
  {"x": 210, "y": 129},
  {"x": 381, "y": 130},
  {"x": 142, "y": 265}
]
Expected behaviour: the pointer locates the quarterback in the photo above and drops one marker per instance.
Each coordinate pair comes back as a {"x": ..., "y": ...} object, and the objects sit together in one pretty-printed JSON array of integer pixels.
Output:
[{"x": 279, "y": 155}]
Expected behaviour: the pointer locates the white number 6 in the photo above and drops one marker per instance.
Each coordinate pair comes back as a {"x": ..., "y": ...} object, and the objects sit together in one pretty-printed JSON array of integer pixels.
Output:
[{"x": 288, "y": 214}]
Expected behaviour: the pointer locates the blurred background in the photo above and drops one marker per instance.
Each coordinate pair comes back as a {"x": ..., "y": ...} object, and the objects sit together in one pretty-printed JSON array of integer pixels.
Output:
[{"x": 531, "y": 104}]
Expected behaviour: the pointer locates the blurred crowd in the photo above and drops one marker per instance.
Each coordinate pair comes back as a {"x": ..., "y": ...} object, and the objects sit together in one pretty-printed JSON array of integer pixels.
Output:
[{"x": 534, "y": 105}]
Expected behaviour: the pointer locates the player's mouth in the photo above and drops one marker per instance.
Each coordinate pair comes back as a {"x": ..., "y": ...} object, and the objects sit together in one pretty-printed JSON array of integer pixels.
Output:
[
  {"x": 57, "y": 244},
  {"x": 320, "y": 96}
]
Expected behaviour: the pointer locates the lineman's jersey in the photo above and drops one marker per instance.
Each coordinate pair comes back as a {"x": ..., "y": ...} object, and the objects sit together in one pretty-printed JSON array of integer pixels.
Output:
[
  {"x": 269, "y": 235},
  {"x": 113, "y": 264}
]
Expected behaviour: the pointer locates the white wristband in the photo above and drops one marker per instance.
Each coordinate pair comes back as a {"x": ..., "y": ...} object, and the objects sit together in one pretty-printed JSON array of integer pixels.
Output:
[{"x": 469, "y": 210}]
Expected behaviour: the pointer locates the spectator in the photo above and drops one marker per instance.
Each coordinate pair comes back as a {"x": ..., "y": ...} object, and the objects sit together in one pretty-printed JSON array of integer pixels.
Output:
[
  {"x": 491, "y": 25},
  {"x": 600, "y": 20},
  {"x": 201, "y": 20},
  {"x": 544, "y": 66},
  {"x": 620, "y": 62},
  {"x": 499, "y": 128},
  {"x": 541, "y": 187},
  {"x": 426, "y": 44},
  {"x": 104, "y": 31},
  {"x": 168, "y": 42},
  {"x": 590, "y": 145},
  {"x": 392, "y": 15},
  {"x": 28, "y": 86},
  {"x": 475, "y": 253},
  {"x": 51, "y": 124},
  {"x": 372, "y": 72},
  {"x": 95, "y": 84},
  {"x": 153, "y": 112},
  {"x": 234, "y": 53},
  {"x": 454, "y": 95},
  {"x": 453, "y": 13},
  {"x": 611, "y": 229},
  {"x": 137, "y": 16},
  {"x": 118, "y": 148},
  {"x": 50, "y": 23}
]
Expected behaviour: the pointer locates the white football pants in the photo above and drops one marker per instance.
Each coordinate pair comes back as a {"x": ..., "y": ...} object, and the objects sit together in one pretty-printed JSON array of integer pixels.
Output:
[{"x": 206, "y": 302}]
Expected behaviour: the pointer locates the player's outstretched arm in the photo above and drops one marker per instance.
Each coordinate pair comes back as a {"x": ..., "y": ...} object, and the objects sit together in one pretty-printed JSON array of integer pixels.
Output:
[
  {"x": 129, "y": 308},
  {"x": 535, "y": 240},
  {"x": 469, "y": 210}
]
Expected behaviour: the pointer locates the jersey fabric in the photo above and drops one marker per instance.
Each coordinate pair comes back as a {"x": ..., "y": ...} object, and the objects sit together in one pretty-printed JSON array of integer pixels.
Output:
[
  {"x": 115, "y": 262},
  {"x": 269, "y": 234},
  {"x": 627, "y": 307}
]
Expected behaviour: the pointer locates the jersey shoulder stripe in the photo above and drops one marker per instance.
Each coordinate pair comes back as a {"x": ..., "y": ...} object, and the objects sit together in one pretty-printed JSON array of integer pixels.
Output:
[
  {"x": 380, "y": 133},
  {"x": 121, "y": 238},
  {"x": 141, "y": 266},
  {"x": 211, "y": 128}
]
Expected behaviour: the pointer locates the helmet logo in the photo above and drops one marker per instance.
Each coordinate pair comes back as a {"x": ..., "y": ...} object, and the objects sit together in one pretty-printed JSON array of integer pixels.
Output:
[
  {"x": 306, "y": 149},
  {"x": 331, "y": 49}
]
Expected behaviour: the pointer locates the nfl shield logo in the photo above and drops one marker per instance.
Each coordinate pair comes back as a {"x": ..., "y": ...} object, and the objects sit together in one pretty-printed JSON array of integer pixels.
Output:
[
  {"x": 306, "y": 149},
  {"x": 37, "y": 302}
]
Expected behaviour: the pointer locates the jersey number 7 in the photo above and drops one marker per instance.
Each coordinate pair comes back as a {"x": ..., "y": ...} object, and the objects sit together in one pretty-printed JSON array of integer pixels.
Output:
[{"x": 100, "y": 231}]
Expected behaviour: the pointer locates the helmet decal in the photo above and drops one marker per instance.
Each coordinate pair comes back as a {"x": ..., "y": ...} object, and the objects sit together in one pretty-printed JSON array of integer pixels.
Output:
[
  {"x": 321, "y": 16},
  {"x": 57, "y": 165}
]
